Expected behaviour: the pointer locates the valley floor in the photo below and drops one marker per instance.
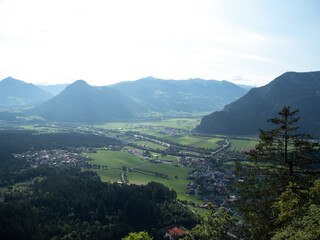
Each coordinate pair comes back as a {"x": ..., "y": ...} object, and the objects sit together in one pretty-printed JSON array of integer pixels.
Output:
[{"x": 198, "y": 167}]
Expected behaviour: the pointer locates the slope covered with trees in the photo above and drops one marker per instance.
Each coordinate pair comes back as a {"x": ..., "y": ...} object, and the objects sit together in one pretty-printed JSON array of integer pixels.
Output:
[
  {"x": 247, "y": 114},
  {"x": 70, "y": 204},
  {"x": 16, "y": 93},
  {"x": 82, "y": 103},
  {"x": 193, "y": 95}
]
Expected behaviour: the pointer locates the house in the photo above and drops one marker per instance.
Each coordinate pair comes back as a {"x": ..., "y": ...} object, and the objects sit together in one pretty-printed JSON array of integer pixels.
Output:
[{"x": 174, "y": 230}]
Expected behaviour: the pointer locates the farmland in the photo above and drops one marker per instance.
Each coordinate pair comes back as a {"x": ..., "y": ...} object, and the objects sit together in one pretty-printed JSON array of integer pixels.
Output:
[
  {"x": 166, "y": 169},
  {"x": 148, "y": 144},
  {"x": 115, "y": 159},
  {"x": 109, "y": 175},
  {"x": 177, "y": 185},
  {"x": 242, "y": 145},
  {"x": 175, "y": 177}
]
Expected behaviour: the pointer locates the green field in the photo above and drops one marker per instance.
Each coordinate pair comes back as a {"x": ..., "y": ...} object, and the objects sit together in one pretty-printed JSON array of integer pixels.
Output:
[
  {"x": 181, "y": 123},
  {"x": 150, "y": 145},
  {"x": 178, "y": 185},
  {"x": 167, "y": 157},
  {"x": 115, "y": 159},
  {"x": 209, "y": 145},
  {"x": 214, "y": 140},
  {"x": 184, "y": 140},
  {"x": 242, "y": 145},
  {"x": 109, "y": 175},
  {"x": 166, "y": 169}
]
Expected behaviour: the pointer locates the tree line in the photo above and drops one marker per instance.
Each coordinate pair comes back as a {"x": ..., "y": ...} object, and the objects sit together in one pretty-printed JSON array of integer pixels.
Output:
[{"x": 70, "y": 204}]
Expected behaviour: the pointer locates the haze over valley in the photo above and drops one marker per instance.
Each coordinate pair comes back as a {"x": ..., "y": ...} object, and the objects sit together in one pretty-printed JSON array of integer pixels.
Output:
[{"x": 159, "y": 120}]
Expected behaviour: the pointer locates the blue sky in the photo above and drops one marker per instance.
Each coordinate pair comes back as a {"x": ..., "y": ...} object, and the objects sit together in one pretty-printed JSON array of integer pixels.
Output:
[{"x": 103, "y": 42}]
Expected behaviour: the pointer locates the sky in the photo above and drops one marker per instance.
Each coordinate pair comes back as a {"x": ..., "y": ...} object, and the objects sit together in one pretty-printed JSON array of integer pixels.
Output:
[{"x": 107, "y": 41}]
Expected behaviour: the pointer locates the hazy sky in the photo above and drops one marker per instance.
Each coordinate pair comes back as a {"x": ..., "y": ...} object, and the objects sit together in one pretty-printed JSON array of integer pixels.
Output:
[{"x": 104, "y": 41}]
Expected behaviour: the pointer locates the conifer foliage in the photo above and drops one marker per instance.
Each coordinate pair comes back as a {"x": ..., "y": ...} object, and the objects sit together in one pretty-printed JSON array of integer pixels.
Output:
[{"x": 282, "y": 156}]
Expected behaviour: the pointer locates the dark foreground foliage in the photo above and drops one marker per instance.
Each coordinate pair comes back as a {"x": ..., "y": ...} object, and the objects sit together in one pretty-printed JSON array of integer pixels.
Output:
[
  {"x": 69, "y": 204},
  {"x": 281, "y": 159}
]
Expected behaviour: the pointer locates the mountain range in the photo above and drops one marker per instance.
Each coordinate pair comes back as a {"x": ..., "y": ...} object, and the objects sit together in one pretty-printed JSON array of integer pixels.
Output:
[
  {"x": 53, "y": 89},
  {"x": 16, "y": 93},
  {"x": 82, "y": 103},
  {"x": 251, "y": 112},
  {"x": 193, "y": 95}
]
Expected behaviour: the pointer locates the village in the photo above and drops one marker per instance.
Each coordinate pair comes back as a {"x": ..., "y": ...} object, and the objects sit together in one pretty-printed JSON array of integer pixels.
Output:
[
  {"x": 56, "y": 158},
  {"x": 210, "y": 177}
]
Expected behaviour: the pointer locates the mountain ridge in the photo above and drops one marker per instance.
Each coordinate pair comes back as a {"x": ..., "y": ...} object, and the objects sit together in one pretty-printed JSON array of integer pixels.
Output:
[
  {"x": 251, "y": 112},
  {"x": 17, "y": 93},
  {"x": 192, "y": 95},
  {"x": 82, "y": 103}
]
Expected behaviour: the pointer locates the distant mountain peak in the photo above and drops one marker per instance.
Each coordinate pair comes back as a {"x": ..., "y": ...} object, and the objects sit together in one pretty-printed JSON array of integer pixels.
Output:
[
  {"x": 80, "y": 83},
  {"x": 11, "y": 79},
  {"x": 17, "y": 93}
]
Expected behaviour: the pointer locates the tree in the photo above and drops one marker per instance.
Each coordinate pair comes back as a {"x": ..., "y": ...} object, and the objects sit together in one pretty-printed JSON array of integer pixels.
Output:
[
  {"x": 281, "y": 156},
  {"x": 214, "y": 226},
  {"x": 298, "y": 213},
  {"x": 138, "y": 236}
]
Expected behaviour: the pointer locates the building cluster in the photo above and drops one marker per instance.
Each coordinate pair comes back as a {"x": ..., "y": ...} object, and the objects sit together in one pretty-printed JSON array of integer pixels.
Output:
[
  {"x": 171, "y": 131},
  {"x": 210, "y": 184},
  {"x": 55, "y": 158}
]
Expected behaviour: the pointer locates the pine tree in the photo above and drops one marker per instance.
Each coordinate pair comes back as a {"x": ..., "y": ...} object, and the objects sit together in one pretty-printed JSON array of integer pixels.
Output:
[{"x": 281, "y": 156}]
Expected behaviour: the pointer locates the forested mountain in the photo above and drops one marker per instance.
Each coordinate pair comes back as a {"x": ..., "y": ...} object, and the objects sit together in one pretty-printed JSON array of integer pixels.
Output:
[
  {"x": 53, "y": 89},
  {"x": 16, "y": 93},
  {"x": 82, "y": 103},
  {"x": 247, "y": 114},
  {"x": 193, "y": 95}
]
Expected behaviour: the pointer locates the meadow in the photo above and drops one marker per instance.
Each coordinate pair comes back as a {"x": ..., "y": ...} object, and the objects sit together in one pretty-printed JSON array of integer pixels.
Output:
[
  {"x": 176, "y": 184},
  {"x": 109, "y": 175},
  {"x": 149, "y": 144},
  {"x": 115, "y": 159},
  {"x": 242, "y": 145},
  {"x": 167, "y": 157},
  {"x": 166, "y": 169},
  {"x": 179, "y": 123}
]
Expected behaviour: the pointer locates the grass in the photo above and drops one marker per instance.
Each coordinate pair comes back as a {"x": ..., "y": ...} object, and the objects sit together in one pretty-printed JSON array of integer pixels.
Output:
[
  {"x": 214, "y": 140},
  {"x": 242, "y": 145},
  {"x": 109, "y": 175},
  {"x": 181, "y": 123},
  {"x": 209, "y": 145},
  {"x": 115, "y": 159},
  {"x": 166, "y": 169},
  {"x": 184, "y": 140},
  {"x": 168, "y": 157},
  {"x": 178, "y": 185},
  {"x": 150, "y": 145}
]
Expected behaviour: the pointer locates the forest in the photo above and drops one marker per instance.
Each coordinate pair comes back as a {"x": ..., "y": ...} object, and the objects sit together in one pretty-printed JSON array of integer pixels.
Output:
[{"x": 70, "y": 204}]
